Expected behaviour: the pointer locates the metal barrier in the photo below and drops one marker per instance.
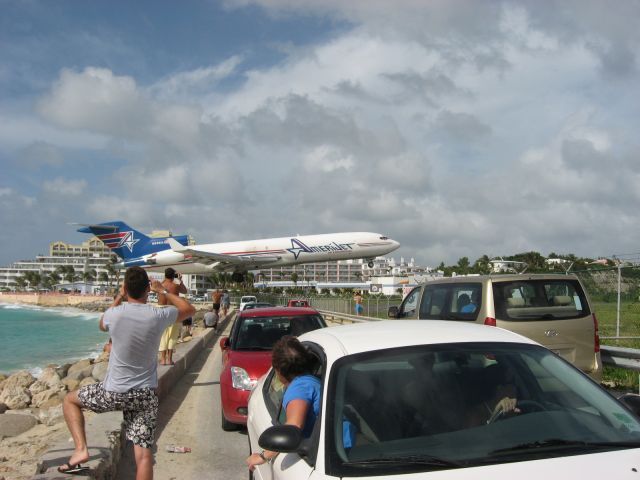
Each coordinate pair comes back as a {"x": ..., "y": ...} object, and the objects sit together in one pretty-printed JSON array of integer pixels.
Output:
[
  {"x": 628, "y": 358},
  {"x": 338, "y": 317}
]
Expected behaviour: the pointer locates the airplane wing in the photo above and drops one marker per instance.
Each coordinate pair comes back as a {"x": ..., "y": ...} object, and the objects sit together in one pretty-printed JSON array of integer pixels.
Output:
[{"x": 201, "y": 256}]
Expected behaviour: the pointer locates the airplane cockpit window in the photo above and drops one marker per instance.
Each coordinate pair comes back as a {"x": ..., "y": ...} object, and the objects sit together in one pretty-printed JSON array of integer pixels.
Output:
[{"x": 384, "y": 238}]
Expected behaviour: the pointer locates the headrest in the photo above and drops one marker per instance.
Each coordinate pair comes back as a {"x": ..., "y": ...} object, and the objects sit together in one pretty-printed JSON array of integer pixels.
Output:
[
  {"x": 515, "y": 302},
  {"x": 562, "y": 300}
]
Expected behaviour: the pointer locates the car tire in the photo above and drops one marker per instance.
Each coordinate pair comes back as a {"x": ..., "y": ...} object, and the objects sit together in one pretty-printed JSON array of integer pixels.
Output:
[{"x": 227, "y": 426}]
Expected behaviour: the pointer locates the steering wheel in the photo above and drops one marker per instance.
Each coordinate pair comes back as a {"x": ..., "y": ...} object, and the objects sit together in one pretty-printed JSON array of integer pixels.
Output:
[{"x": 523, "y": 405}]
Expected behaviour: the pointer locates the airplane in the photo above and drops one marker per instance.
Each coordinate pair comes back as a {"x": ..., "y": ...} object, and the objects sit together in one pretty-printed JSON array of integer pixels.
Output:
[{"x": 157, "y": 253}]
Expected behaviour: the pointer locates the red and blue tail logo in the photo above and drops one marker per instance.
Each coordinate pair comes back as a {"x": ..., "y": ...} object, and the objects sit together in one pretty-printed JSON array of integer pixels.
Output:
[
  {"x": 127, "y": 242},
  {"x": 119, "y": 240}
]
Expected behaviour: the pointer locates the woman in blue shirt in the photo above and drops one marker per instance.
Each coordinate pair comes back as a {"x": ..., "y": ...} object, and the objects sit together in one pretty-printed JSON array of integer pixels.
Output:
[{"x": 293, "y": 363}]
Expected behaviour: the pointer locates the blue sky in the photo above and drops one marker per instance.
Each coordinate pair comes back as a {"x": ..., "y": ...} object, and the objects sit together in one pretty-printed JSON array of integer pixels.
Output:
[{"x": 459, "y": 128}]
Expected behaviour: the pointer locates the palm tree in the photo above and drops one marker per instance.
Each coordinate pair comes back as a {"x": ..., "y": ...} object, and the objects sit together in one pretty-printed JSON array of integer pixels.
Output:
[
  {"x": 294, "y": 279},
  {"x": 33, "y": 278},
  {"x": 54, "y": 277},
  {"x": 104, "y": 277}
]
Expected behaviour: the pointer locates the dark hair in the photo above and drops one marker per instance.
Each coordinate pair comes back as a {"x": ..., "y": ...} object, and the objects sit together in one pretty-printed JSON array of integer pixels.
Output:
[
  {"x": 136, "y": 282},
  {"x": 169, "y": 273},
  {"x": 290, "y": 358}
]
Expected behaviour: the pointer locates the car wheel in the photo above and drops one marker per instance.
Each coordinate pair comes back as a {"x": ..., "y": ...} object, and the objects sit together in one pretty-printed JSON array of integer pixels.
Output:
[{"x": 227, "y": 426}]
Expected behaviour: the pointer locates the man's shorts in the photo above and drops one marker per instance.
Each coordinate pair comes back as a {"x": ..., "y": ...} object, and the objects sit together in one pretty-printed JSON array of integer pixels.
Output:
[
  {"x": 169, "y": 338},
  {"x": 139, "y": 409},
  {"x": 359, "y": 308},
  {"x": 187, "y": 322}
]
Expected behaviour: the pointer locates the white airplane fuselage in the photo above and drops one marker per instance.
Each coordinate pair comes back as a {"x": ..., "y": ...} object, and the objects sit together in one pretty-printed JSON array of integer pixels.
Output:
[{"x": 270, "y": 252}]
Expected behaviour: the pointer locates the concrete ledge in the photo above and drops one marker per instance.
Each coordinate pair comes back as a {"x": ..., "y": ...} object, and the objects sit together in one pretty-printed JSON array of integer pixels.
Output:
[{"x": 105, "y": 434}]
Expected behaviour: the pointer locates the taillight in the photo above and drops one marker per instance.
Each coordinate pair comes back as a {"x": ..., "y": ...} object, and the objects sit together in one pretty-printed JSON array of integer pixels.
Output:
[
  {"x": 490, "y": 321},
  {"x": 596, "y": 334}
]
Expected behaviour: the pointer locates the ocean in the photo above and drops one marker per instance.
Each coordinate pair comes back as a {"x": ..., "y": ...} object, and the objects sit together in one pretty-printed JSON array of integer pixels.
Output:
[{"x": 33, "y": 337}]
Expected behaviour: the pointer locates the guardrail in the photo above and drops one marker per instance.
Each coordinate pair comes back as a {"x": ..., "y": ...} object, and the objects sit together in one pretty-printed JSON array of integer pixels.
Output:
[{"x": 621, "y": 357}]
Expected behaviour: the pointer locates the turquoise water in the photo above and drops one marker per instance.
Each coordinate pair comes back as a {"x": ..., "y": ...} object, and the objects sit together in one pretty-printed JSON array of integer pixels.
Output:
[{"x": 32, "y": 338}]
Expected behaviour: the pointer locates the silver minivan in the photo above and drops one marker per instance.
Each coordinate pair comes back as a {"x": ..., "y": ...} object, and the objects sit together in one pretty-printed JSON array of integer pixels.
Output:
[{"x": 553, "y": 310}]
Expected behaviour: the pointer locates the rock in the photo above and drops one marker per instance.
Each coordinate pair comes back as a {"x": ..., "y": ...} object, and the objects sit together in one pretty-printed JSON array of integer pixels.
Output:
[
  {"x": 99, "y": 371},
  {"x": 19, "y": 379},
  {"x": 62, "y": 370},
  {"x": 37, "y": 387},
  {"x": 80, "y": 373},
  {"x": 39, "y": 398},
  {"x": 70, "y": 383},
  {"x": 79, "y": 365},
  {"x": 51, "y": 416},
  {"x": 52, "y": 402},
  {"x": 15, "y": 397},
  {"x": 87, "y": 381},
  {"x": 103, "y": 357},
  {"x": 50, "y": 377},
  {"x": 3, "y": 408},
  {"x": 12, "y": 425}
]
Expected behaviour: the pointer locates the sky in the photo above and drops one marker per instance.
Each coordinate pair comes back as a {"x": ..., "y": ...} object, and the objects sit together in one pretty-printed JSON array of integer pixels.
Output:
[{"x": 457, "y": 127}]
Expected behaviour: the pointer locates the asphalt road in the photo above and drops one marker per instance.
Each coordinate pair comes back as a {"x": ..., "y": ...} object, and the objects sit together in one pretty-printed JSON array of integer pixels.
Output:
[{"x": 190, "y": 416}]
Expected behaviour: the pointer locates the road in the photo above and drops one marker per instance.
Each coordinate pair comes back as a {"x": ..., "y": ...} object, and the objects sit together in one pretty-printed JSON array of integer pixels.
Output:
[{"x": 190, "y": 416}]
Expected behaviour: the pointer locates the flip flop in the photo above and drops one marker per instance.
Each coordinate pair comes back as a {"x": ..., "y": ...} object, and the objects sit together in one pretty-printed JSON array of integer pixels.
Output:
[{"x": 73, "y": 469}]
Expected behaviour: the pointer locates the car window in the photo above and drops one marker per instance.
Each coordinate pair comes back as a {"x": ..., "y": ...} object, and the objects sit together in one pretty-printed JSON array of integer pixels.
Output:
[
  {"x": 410, "y": 303},
  {"x": 451, "y": 301},
  {"x": 444, "y": 402},
  {"x": 527, "y": 300},
  {"x": 273, "y": 393},
  {"x": 260, "y": 333}
]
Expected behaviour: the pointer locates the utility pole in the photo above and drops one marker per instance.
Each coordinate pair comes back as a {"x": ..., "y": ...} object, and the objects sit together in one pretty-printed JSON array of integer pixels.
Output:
[{"x": 619, "y": 263}]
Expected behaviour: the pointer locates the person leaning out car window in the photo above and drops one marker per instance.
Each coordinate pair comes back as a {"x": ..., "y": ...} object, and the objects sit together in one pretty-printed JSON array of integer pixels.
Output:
[{"x": 293, "y": 365}]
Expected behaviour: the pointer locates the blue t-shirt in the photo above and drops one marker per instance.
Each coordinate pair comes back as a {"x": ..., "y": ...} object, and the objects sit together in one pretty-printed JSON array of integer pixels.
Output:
[{"x": 305, "y": 387}]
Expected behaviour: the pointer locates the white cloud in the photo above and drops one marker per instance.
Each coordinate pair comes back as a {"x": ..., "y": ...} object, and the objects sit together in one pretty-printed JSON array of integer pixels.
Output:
[
  {"x": 457, "y": 127},
  {"x": 64, "y": 187}
]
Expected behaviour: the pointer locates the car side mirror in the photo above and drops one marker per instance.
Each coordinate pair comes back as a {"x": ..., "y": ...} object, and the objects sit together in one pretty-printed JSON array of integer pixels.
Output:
[
  {"x": 224, "y": 343},
  {"x": 632, "y": 401},
  {"x": 393, "y": 312},
  {"x": 281, "y": 438}
]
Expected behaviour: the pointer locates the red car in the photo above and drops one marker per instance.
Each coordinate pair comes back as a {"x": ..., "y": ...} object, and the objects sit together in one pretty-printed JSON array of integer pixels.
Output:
[{"x": 246, "y": 353}]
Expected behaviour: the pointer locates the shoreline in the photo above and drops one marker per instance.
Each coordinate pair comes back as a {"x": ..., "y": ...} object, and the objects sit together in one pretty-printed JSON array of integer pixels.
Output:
[{"x": 56, "y": 300}]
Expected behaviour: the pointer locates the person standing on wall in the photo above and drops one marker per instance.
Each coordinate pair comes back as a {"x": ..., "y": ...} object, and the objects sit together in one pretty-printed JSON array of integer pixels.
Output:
[
  {"x": 173, "y": 284},
  {"x": 132, "y": 375}
]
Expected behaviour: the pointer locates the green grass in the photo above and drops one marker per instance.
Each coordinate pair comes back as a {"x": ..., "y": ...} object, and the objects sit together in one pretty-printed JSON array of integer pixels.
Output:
[{"x": 606, "y": 314}]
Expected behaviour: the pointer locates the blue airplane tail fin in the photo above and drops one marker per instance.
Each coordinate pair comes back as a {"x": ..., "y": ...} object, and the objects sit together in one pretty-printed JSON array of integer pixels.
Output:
[{"x": 127, "y": 242}]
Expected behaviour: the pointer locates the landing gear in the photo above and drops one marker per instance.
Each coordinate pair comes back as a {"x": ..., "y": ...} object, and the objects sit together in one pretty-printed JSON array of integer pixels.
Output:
[{"x": 370, "y": 264}]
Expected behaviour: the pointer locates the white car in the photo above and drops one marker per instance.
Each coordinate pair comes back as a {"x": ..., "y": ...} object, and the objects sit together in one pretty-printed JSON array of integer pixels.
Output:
[
  {"x": 422, "y": 400},
  {"x": 246, "y": 299}
]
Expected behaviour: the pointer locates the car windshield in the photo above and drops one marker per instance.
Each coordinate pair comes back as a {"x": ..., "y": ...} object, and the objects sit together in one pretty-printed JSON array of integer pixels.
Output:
[
  {"x": 423, "y": 408},
  {"x": 260, "y": 333}
]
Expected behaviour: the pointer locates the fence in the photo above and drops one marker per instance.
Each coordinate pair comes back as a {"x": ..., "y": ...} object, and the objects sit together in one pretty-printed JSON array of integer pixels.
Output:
[{"x": 374, "y": 306}]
